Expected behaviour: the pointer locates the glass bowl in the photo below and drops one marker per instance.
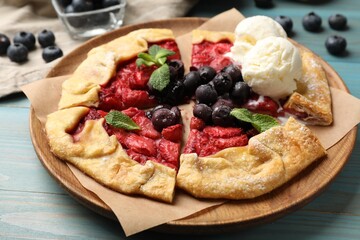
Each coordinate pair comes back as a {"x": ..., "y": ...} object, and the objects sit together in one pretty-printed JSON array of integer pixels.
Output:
[{"x": 84, "y": 25}]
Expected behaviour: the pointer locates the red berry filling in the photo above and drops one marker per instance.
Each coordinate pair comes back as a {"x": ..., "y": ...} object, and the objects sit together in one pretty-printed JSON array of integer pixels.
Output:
[
  {"x": 129, "y": 87},
  {"x": 144, "y": 144},
  {"x": 208, "y": 140},
  {"x": 211, "y": 54}
]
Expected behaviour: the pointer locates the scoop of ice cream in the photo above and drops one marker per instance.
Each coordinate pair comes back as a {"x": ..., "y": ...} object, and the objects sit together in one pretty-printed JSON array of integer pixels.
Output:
[
  {"x": 249, "y": 31},
  {"x": 271, "y": 67}
]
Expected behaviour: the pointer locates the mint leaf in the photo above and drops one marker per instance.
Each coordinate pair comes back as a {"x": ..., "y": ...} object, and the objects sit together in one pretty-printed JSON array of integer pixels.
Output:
[
  {"x": 153, "y": 50},
  {"x": 159, "y": 54},
  {"x": 139, "y": 62},
  {"x": 163, "y": 53},
  {"x": 263, "y": 122},
  {"x": 120, "y": 120},
  {"x": 260, "y": 122},
  {"x": 162, "y": 60},
  {"x": 160, "y": 78},
  {"x": 146, "y": 57}
]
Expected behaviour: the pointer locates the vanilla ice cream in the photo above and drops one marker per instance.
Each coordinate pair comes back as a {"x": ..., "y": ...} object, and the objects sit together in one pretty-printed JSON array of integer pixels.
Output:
[
  {"x": 271, "y": 67},
  {"x": 249, "y": 31}
]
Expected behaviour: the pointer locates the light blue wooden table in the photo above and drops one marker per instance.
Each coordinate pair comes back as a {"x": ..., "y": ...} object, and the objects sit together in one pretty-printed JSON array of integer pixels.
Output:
[{"x": 33, "y": 206}]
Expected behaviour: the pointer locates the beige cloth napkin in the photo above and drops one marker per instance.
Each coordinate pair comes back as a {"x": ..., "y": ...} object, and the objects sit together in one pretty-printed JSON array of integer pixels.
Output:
[{"x": 36, "y": 15}]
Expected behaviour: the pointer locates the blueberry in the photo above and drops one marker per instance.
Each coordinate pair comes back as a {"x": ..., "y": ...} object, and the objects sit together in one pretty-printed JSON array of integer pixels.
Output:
[
  {"x": 109, "y": 3},
  {"x": 64, "y": 3},
  {"x": 149, "y": 113},
  {"x": 4, "y": 43},
  {"x": 82, "y": 5},
  {"x": 221, "y": 102},
  {"x": 207, "y": 74},
  {"x": 206, "y": 94},
  {"x": 163, "y": 118},
  {"x": 178, "y": 65},
  {"x": 176, "y": 110},
  {"x": 46, "y": 38},
  {"x": 222, "y": 82},
  {"x": 75, "y": 21},
  {"x": 312, "y": 22},
  {"x": 240, "y": 93},
  {"x": 17, "y": 52},
  {"x": 99, "y": 19},
  {"x": 97, "y": 4},
  {"x": 25, "y": 38},
  {"x": 51, "y": 53},
  {"x": 172, "y": 94},
  {"x": 337, "y": 22},
  {"x": 221, "y": 116},
  {"x": 264, "y": 3},
  {"x": 202, "y": 111},
  {"x": 335, "y": 44},
  {"x": 234, "y": 72},
  {"x": 173, "y": 74},
  {"x": 286, "y": 23},
  {"x": 191, "y": 82}
]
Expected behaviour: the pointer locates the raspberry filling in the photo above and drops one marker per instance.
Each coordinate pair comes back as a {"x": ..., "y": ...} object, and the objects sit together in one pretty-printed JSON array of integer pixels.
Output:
[
  {"x": 144, "y": 144},
  {"x": 211, "y": 54},
  {"x": 207, "y": 140},
  {"x": 129, "y": 87}
]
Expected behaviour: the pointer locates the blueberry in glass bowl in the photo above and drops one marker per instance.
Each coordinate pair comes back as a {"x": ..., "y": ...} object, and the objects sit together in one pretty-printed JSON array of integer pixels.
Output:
[{"x": 88, "y": 18}]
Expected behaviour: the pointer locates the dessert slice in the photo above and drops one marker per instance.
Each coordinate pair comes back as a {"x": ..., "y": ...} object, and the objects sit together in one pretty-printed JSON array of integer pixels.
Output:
[
  {"x": 131, "y": 162},
  {"x": 109, "y": 77},
  {"x": 268, "y": 161},
  {"x": 311, "y": 102},
  {"x": 251, "y": 160},
  {"x": 100, "y": 127}
]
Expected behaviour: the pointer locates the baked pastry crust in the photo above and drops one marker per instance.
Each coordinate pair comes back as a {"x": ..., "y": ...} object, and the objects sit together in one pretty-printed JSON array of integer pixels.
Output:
[
  {"x": 199, "y": 36},
  {"x": 95, "y": 153},
  {"x": 82, "y": 88},
  {"x": 312, "y": 96},
  {"x": 102, "y": 157},
  {"x": 268, "y": 161}
]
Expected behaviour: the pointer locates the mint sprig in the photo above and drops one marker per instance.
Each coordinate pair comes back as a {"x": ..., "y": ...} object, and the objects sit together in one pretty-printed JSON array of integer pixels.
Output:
[
  {"x": 121, "y": 120},
  {"x": 156, "y": 55},
  {"x": 160, "y": 78},
  {"x": 260, "y": 122}
]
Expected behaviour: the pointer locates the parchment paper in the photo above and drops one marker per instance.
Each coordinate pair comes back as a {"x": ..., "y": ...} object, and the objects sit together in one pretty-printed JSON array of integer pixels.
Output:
[{"x": 128, "y": 209}]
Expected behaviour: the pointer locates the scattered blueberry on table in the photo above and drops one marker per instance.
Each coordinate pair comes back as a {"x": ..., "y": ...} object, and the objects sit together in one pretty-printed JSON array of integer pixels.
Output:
[
  {"x": 46, "y": 38},
  {"x": 25, "y": 38},
  {"x": 17, "y": 52},
  {"x": 335, "y": 44},
  {"x": 285, "y": 22},
  {"x": 264, "y": 3},
  {"x": 337, "y": 22},
  {"x": 312, "y": 22},
  {"x": 51, "y": 53},
  {"x": 4, "y": 43}
]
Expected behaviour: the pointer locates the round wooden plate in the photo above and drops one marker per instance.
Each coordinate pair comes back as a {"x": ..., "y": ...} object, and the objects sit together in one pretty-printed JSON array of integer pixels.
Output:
[{"x": 231, "y": 215}]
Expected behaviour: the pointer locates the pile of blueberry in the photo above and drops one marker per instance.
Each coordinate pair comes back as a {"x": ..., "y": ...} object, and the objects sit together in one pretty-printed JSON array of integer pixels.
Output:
[
  {"x": 215, "y": 93},
  {"x": 86, "y": 5},
  {"x": 23, "y": 42},
  {"x": 79, "y": 6},
  {"x": 312, "y": 22}
]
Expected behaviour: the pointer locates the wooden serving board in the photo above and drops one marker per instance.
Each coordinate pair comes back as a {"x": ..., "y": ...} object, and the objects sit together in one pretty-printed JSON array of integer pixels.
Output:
[{"x": 231, "y": 215}]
